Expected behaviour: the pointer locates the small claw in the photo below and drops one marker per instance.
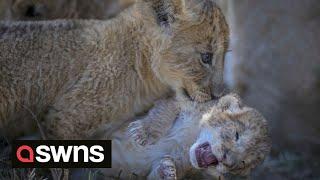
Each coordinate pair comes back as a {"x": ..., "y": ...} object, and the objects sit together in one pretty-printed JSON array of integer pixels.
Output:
[
  {"x": 144, "y": 143},
  {"x": 167, "y": 168},
  {"x": 137, "y": 133},
  {"x": 136, "y": 138}
]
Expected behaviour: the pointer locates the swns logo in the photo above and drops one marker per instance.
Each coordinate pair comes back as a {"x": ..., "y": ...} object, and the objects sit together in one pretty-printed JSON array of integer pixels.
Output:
[{"x": 61, "y": 154}]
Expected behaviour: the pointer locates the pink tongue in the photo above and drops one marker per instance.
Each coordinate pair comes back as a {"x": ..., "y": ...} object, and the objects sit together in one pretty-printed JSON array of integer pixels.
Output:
[
  {"x": 206, "y": 155},
  {"x": 210, "y": 159}
]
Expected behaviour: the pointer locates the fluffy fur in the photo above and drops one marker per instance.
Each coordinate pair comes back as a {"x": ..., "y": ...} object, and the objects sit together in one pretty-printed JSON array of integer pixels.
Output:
[
  {"x": 84, "y": 73},
  {"x": 238, "y": 136},
  {"x": 61, "y": 9}
]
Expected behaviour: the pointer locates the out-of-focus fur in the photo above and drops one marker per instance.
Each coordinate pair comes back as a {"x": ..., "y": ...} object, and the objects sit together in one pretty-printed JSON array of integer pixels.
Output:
[
  {"x": 213, "y": 122},
  {"x": 61, "y": 9},
  {"x": 84, "y": 73}
]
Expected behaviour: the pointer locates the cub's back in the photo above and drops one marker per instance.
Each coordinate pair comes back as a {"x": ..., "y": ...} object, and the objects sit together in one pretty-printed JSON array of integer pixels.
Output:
[{"x": 40, "y": 59}]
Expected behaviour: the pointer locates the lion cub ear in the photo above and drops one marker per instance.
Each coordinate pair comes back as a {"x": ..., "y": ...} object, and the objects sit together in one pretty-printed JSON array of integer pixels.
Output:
[
  {"x": 165, "y": 12},
  {"x": 195, "y": 9},
  {"x": 230, "y": 104},
  {"x": 169, "y": 12}
]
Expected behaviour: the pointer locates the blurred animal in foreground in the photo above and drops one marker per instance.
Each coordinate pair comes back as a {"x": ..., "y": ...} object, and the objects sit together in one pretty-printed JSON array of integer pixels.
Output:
[
  {"x": 61, "y": 9},
  {"x": 79, "y": 74},
  {"x": 218, "y": 137}
]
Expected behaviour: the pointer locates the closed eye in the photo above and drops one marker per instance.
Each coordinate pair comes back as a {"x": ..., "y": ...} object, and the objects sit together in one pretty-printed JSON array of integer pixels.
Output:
[{"x": 237, "y": 167}]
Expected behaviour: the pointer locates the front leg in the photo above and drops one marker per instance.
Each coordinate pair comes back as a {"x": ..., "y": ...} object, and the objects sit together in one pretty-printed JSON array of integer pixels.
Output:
[
  {"x": 64, "y": 121},
  {"x": 155, "y": 124},
  {"x": 77, "y": 113}
]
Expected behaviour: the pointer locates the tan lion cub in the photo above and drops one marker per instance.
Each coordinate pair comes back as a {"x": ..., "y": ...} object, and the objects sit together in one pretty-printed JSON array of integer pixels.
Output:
[
  {"x": 216, "y": 137},
  {"x": 79, "y": 74}
]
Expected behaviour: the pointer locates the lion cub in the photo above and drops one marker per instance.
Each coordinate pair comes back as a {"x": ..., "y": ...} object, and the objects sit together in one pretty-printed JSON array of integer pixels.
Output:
[
  {"x": 216, "y": 137},
  {"x": 79, "y": 74}
]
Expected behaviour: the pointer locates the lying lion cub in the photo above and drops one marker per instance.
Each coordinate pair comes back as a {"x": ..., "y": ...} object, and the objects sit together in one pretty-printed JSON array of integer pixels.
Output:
[{"x": 217, "y": 137}]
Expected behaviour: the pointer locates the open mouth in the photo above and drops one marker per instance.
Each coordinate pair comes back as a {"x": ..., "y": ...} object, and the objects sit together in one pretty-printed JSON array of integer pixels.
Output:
[{"x": 204, "y": 156}]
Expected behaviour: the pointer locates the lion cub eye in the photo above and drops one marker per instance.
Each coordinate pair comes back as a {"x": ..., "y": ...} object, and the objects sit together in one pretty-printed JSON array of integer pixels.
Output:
[
  {"x": 206, "y": 58},
  {"x": 237, "y": 136}
]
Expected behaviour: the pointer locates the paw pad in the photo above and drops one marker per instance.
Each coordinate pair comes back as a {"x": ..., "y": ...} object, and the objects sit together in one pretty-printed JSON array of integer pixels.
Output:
[{"x": 167, "y": 169}]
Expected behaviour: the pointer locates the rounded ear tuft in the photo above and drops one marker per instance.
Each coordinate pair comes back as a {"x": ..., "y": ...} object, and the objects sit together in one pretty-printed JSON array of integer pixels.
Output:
[
  {"x": 230, "y": 103},
  {"x": 195, "y": 9}
]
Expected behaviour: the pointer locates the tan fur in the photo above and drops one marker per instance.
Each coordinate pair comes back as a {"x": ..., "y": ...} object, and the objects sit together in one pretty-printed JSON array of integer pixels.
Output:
[
  {"x": 186, "y": 125},
  {"x": 84, "y": 73},
  {"x": 62, "y": 9}
]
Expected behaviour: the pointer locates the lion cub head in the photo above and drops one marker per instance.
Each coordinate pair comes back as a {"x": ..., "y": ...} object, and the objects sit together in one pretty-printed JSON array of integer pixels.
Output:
[
  {"x": 233, "y": 139},
  {"x": 194, "y": 40}
]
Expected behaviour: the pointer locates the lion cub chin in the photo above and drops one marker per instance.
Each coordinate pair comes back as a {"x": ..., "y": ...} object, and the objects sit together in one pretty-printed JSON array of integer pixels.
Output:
[{"x": 217, "y": 137}]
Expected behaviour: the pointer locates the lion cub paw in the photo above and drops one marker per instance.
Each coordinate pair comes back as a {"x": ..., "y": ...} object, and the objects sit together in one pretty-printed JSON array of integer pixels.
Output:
[
  {"x": 167, "y": 169},
  {"x": 138, "y": 133}
]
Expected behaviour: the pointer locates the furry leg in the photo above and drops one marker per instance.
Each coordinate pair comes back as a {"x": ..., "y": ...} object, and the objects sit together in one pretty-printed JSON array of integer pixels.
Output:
[
  {"x": 166, "y": 169},
  {"x": 155, "y": 124}
]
